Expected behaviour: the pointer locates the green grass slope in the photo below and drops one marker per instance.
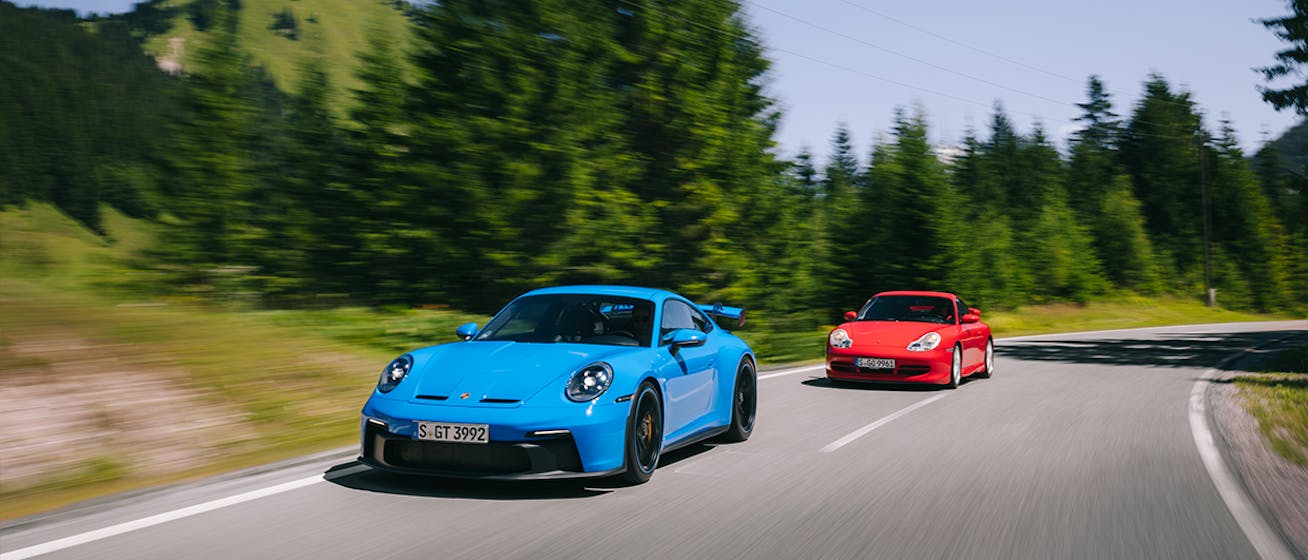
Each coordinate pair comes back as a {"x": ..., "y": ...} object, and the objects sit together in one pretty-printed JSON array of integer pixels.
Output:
[
  {"x": 331, "y": 30},
  {"x": 135, "y": 388}
]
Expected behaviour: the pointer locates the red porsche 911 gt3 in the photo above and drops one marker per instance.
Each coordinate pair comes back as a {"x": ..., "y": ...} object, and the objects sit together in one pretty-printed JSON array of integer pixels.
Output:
[{"x": 917, "y": 337}]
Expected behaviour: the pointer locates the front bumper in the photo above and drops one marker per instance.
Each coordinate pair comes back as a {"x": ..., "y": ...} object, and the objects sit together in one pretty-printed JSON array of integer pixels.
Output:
[
  {"x": 592, "y": 446},
  {"x": 931, "y": 366}
]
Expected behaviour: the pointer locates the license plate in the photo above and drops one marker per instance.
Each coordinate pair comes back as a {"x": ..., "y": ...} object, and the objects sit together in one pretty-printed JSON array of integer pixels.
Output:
[
  {"x": 459, "y": 433},
  {"x": 875, "y": 363}
]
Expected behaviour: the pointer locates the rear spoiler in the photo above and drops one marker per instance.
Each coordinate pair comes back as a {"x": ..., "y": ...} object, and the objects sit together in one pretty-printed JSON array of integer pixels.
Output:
[{"x": 719, "y": 311}]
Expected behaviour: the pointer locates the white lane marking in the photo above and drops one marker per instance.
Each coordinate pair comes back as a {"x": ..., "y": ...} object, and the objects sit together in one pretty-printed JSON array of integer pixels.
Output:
[
  {"x": 790, "y": 371},
  {"x": 112, "y": 530},
  {"x": 1261, "y": 535},
  {"x": 879, "y": 423}
]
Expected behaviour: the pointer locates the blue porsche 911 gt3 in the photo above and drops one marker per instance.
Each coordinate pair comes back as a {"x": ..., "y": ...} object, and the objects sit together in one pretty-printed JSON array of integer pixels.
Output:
[{"x": 576, "y": 381}]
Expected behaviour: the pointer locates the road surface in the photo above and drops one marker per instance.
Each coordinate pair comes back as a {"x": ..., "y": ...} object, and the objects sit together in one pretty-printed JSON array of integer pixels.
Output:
[{"x": 1081, "y": 446}]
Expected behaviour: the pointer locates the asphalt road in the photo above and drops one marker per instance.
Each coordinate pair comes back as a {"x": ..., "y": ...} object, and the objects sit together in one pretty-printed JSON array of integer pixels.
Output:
[{"x": 1079, "y": 447}]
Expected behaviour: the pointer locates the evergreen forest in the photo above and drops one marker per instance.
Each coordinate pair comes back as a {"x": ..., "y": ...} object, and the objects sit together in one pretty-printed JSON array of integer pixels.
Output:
[{"x": 505, "y": 145}]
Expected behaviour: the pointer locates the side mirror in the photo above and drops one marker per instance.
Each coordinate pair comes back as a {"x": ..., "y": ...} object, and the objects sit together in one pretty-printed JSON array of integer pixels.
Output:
[
  {"x": 974, "y": 311},
  {"x": 851, "y": 315},
  {"x": 466, "y": 331},
  {"x": 971, "y": 318},
  {"x": 685, "y": 337}
]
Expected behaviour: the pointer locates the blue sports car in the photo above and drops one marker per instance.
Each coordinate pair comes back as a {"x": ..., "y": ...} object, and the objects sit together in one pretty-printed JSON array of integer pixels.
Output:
[{"x": 576, "y": 381}]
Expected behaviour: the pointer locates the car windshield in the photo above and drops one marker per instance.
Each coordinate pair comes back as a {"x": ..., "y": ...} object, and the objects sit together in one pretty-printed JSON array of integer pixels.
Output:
[
  {"x": 580, "y": 318},
  {"x": 924, "y": 309}
]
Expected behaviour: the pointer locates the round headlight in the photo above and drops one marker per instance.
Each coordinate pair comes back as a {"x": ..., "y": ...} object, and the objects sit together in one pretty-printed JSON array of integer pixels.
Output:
[
  {"x": 589, "y": 382},
  {"x": 929, "y": 341},
  {"x": 840, "y": 339},
  {"x": 394, "y": 373}
]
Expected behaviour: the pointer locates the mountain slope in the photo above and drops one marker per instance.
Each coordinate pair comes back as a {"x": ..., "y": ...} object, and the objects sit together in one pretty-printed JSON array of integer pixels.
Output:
[{"x": 284, "y": 35}]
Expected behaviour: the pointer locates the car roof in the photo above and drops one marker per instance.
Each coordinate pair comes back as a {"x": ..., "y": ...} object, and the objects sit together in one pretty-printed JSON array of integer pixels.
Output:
[
  {"x": 606, "y": 290},
  {"x": 916, "y": 293}
]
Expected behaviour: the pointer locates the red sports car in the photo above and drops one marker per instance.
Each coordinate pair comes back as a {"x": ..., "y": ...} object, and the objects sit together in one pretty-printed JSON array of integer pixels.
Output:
[{"x": 919, "y": 337}]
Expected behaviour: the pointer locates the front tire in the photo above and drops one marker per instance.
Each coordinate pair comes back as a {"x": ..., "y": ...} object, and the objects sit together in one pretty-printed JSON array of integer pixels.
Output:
[
  {"x": 990, "y": 360},
  {"x": 644, "y": 435},
  {"x": 744, "y": 404},
  {"x": 955, "y": 368}
]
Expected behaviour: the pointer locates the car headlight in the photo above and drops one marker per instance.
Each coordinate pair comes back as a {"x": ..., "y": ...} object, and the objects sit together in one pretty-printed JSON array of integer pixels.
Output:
[
  {"x": 589, "y": 382},
  {"x": 394, "y": 373},
  {"x": 840, "y": 339},
  {"x": 929, "y": 341}
]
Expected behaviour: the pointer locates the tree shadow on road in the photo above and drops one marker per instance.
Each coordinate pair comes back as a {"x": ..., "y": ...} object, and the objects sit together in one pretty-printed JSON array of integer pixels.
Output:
[
  {"x": 375, "y": 480},
  {"x": 825, "y": 383},
  {"x": 1190, "y": 350}
]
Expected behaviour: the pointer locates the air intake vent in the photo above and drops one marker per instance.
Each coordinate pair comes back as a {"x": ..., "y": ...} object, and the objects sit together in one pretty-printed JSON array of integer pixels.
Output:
[
  {"x": 499, "y": 401},
  {"x": 432, "y": 397}
]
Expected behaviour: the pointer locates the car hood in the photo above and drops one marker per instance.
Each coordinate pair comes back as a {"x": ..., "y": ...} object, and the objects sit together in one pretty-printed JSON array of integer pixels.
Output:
[
  {"x": 499, "y": 373},
  {"x": 888, "y": 333}
]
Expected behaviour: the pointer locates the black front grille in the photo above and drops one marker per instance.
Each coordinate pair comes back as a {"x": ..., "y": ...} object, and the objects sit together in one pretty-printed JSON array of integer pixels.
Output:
[
  {"x": 433, "y": 397},
  {"x": 500, "y": 401},
  {"x": 490, "y": 458},
  {"x": 913, "y": 370},
  {"x": 469, "y": 459}
]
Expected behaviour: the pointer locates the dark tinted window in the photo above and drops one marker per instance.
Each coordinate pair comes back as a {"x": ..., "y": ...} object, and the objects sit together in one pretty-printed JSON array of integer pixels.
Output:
[
  {"x": 962, "y": 308},
  {"x": 678, "y": 315},
  {"x": 580, "y": 318},
  {"x": 924, "y": 309}
]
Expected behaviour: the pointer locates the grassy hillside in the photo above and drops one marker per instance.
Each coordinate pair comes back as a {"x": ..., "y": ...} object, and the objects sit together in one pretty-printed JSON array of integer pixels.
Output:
[
  {"x": 333, "y": 30},
  {"x": 135, "y": 389}
]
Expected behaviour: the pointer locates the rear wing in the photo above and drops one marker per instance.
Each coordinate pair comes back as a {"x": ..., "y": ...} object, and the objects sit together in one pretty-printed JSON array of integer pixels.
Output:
[{"x": 719, "y": 311}]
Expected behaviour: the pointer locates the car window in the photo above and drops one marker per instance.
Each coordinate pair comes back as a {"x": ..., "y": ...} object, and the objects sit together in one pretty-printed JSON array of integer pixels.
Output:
[
  {"x": 575, "y": 318},
  {"x": 924, "y": 309},
  {"x": 962, "y": 308},
  {"x": 702, "y": 321},
  {"x": 678, "y": 315}
]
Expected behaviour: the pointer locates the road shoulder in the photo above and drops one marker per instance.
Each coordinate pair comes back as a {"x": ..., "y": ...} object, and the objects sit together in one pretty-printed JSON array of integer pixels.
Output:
[{"x": 1279, "y": 486}]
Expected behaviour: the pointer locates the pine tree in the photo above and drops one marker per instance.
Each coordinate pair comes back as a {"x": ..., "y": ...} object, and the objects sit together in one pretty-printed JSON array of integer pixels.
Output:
[
  {"x": 838, "y": 216},
  {"x": 1244, "y": 225},
  {"x": 1123, "y": 245},
  {"x": 1292, "y": 29},
  {"x": 1160, "y": 150},
  {"x": 913, "y": 215},
  {"x": 210, "y": 199},
  {"x": 1093, "y": 163},
  {"x": 1056, "y": 248},
  {"x": 397, "y": 233}
]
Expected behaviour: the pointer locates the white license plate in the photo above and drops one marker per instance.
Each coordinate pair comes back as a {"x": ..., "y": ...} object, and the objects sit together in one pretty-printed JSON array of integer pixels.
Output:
[
  {"x": 875, "y": 363},
  {"x": 459, "y": 433}
]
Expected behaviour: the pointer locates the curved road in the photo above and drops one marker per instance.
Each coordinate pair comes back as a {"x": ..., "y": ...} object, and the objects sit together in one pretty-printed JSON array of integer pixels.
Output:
[{"x": 1079, "y": 447}]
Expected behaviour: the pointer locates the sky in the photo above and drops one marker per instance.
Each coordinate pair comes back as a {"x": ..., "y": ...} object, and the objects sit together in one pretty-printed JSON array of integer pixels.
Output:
[{"x": 855, "y": 61}]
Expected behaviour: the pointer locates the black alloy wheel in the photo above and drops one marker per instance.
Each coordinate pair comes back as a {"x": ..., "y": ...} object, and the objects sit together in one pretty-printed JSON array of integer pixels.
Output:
[
  {"x": 644, "y": 435},
  {"x": 744, "y": 404}
]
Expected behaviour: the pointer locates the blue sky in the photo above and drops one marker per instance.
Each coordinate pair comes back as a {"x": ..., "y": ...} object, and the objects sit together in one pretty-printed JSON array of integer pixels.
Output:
[{"x": 822, "y": 72}]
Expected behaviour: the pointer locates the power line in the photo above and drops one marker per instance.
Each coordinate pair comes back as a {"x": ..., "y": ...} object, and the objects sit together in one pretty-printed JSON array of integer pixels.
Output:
[
  {"x": 734, "y": 35},
  {"x": 906, "y": 56},
  {"x": 746, "y": 37},
  {"x": 959, "y": 43}
]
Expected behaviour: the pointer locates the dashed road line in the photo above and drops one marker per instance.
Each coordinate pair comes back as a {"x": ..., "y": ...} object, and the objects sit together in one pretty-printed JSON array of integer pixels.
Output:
[{"x": 879, "y": 423}]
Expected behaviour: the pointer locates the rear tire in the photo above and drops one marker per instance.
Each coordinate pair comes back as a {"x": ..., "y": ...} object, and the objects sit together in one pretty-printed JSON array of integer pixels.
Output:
[
  {"x": 644, "y": 435},
  {"x": 744, "y": 404},
  {"x": 990, "y": 360}
]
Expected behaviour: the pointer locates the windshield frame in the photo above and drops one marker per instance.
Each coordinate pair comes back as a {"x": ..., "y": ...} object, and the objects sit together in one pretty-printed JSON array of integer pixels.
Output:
[
  {"x": 599, "y": 319},
  {"x": 905, "y": 312}
]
